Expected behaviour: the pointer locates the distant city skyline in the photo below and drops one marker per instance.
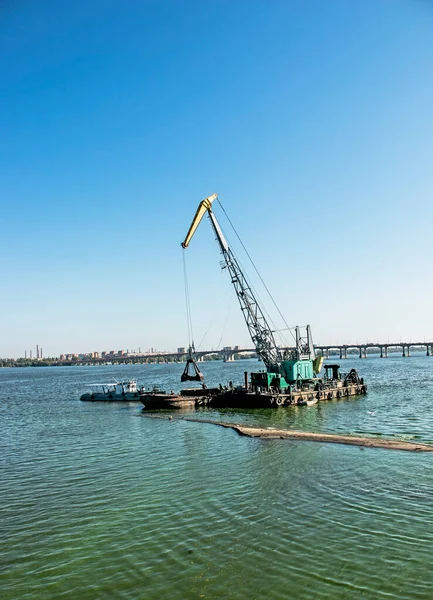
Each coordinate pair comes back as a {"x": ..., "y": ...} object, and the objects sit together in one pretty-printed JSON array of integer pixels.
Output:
[
  {"x": 311, "y": 120},
  {"x": 428, "y": 342}
]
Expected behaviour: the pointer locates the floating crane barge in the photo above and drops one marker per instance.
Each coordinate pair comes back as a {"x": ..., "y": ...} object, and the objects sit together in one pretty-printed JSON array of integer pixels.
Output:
[
  {"x": 253, "y": 395},
  {"x": 291, "y": 375}
]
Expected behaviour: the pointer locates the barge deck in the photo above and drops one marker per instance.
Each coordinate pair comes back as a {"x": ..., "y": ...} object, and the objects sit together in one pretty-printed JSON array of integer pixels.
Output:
[{"x": 247, "y": 397}]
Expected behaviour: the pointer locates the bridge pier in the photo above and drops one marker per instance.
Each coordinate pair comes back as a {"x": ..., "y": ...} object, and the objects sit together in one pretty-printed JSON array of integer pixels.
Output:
[{"x": 325, "y": 351}]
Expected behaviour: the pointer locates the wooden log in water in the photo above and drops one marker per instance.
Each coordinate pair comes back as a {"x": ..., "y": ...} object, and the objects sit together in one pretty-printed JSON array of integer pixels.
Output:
[{"x": 309, "y": 436}]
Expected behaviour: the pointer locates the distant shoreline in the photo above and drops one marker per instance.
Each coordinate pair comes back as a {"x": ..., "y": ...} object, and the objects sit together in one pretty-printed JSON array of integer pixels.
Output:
[{"x": 22, "y": 362}]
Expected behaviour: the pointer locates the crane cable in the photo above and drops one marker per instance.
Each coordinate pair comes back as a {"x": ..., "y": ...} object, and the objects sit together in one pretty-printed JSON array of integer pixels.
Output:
[
  {"x": 213, "y": 319},
  {"x": 225, "y": 323},
  {"x": 256, "y": 270},
  {"x": 188, "y": 311},
  {"x": 187, "y": 304}
]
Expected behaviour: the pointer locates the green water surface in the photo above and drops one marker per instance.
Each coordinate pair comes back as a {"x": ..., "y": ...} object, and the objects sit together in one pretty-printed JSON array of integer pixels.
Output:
[{"x": 98, "y": 501}]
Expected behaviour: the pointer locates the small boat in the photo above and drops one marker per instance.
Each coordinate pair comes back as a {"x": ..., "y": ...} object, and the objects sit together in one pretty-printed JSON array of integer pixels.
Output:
[{"x": 118, "y": 391}]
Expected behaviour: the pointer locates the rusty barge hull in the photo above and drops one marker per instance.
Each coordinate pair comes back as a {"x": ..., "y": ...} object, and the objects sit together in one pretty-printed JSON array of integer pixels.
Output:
[
  {"x": 153, "y": 401},
  {"x": 245, "y": 398}
]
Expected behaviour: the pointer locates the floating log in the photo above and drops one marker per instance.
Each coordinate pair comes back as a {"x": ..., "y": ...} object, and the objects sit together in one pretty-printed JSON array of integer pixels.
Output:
[{"x": 309, "y": 436}]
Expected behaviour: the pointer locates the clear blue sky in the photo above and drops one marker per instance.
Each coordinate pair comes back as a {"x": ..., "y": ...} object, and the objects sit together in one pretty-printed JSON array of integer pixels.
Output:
[{"x": 312, "y": 120}]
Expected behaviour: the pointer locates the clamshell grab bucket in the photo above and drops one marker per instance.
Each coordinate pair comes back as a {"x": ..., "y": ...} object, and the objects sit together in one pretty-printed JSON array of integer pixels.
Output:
[{"x": 195, "y": 375}]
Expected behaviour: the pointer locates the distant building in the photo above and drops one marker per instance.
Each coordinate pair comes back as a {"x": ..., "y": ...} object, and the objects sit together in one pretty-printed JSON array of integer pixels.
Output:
[
  {"x": 181, "y": 350},
  {"x": 121, "y": 353},
  {"x": 94, "y": 354}
]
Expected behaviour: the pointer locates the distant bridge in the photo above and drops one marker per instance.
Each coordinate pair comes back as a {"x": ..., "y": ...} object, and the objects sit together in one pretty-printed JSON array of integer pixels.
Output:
[
  {"x": 229, "y": 354},
  {"x": 341, "y": 350},
  {"x": 383, "y": 349}
]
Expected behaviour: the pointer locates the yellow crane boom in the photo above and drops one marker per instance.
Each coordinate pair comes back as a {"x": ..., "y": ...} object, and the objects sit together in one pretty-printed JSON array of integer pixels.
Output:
[{"x": 205, "y": 205}]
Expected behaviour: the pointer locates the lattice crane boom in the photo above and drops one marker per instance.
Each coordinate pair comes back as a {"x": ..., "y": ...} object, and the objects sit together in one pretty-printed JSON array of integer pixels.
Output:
[{"x": 258, "y": 327}]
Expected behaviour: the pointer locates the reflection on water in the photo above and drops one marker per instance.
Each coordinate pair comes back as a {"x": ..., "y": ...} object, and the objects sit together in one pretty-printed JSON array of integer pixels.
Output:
[{"x": 100, "y": 502}]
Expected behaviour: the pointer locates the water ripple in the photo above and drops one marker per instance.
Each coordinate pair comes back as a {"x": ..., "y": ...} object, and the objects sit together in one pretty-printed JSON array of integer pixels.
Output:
[{"x": 98, "y": 502}]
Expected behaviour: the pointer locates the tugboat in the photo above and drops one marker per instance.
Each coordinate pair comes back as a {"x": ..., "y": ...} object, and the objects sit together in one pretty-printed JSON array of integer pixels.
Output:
[
  {"x": 292, "y": 375},
  {"x": 117, "y": 391}
]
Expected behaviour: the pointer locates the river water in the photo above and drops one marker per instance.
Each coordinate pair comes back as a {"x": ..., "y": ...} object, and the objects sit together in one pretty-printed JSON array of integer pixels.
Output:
[{"x": 98, "y": 501}]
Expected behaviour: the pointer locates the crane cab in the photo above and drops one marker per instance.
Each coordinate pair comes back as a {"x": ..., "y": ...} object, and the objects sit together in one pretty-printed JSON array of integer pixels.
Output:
[
  {"x": 266, "y": 381},
  {"x": 296, "y": 370}
]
